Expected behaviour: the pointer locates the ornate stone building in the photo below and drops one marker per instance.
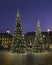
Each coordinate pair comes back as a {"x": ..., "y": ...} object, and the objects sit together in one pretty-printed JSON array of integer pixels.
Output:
[
  {"x": 47, "y": 38},
  {"x": 5, "y": 40}
]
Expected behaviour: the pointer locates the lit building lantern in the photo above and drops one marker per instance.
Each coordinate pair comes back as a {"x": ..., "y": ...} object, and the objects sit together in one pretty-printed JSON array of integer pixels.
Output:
[
  {"x": 8, "y": 31},
  {"x": 48, "y": 31}
]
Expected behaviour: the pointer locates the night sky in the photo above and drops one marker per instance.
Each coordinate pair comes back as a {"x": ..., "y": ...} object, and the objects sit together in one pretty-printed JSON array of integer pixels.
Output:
[{"x": 31, "y": 11}]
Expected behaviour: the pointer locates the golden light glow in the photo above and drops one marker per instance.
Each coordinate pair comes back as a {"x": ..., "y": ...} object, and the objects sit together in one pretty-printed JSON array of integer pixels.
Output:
[{"x": 48, "y": 30}]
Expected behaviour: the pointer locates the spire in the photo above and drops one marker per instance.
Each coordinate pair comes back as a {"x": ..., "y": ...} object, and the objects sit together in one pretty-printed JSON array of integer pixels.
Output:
[
  {"x": 18, "y": 13},
  {"x": 38, "y": 26}
]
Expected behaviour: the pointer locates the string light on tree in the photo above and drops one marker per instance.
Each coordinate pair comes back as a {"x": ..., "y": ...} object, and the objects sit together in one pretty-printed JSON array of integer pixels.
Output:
[
  {"x": 18, "y": 38},
  {"x": 38, "y": 43}
]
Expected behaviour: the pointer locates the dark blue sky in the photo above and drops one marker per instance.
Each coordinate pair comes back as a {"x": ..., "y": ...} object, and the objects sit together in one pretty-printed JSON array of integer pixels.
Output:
[{"x": 31, "y": 11}]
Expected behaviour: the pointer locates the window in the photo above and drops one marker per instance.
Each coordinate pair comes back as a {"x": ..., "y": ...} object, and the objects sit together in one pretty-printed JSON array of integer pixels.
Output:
[{"x": 2, "y": 38}]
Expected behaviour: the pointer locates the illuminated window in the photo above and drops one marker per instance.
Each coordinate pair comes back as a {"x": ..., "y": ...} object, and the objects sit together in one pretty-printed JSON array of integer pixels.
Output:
[
  {"x": 6, "y": 46},
  {"x": 5, "y": 41},
  {"x": 2, "y": 38}
]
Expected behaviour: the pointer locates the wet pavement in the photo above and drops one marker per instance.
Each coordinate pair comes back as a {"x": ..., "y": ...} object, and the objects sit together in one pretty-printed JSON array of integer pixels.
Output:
[{"x": 8, "y": 58}]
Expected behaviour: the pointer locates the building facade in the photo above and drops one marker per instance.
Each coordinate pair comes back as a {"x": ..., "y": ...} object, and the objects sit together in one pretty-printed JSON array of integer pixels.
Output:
[
  {"x": 47, "y": 39},
  {"x": 29, "y": 38},
  {"x": 5, "y": 40}
]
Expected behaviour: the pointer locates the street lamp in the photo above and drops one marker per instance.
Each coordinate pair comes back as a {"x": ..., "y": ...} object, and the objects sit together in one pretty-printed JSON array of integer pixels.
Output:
[
  {"x": 48, "y": 31},
  {"x": 44, "y": 41}
]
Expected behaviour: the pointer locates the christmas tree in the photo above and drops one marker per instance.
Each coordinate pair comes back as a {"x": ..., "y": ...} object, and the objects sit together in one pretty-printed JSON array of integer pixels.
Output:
[
  {"x": 18, "y": 37},
  {"x": 38, "y": 44}
]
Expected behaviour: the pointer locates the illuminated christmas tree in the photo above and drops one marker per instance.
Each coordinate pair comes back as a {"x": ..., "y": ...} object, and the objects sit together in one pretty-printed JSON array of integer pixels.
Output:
[
  {"x": 18, "y": 40},
  {"x": 38, "y": 44}
]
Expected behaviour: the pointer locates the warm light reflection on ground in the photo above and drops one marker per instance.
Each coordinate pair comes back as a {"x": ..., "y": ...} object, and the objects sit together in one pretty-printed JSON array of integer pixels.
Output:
[{"x": 8, "y": 58}]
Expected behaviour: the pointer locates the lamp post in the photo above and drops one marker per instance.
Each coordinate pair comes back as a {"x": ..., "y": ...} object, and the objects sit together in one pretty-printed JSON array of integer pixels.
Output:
[
  {"x": 48, "y": 31},
  {"x": 44, "y": 41}
]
